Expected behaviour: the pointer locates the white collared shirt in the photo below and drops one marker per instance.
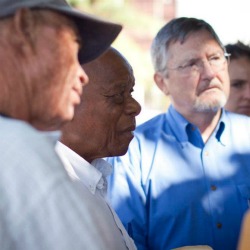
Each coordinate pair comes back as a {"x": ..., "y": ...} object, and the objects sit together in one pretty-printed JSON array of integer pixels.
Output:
[
  {"x": 40, "y": 207},
  {"x": 93, "y": 176}
]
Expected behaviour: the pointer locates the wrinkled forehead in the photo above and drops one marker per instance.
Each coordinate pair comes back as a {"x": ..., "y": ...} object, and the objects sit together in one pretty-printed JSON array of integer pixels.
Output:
[
  {"x": 195, "y": 43},
  {"x": 117, "y": 70},
  {"x": 122, "y": 78},
  {"x": 239, "y": 66},
  {"x": 198, "y": 45},
  {"x": 46, "y": 19},
  {"x": 110, "y": 79}
]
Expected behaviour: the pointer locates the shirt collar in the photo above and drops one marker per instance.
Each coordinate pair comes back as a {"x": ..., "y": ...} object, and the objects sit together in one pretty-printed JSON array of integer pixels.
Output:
[
  {"x": 53, "y": 136},
  {"x": 177, "y": 123},
  {"x": 93, "y": 175},
  {"x": 220, "y": 131},
  {"x": 180, "y": 125}
]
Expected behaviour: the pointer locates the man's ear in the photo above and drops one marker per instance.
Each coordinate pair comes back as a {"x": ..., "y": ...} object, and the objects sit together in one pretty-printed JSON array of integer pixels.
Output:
[
  {"x": 23, "y": 28},
  {"x": 161, "y": 82}
]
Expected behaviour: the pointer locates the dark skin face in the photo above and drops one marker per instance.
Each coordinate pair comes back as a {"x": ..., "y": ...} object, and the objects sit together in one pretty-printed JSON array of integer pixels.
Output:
[{"x": 104, "y": 121}]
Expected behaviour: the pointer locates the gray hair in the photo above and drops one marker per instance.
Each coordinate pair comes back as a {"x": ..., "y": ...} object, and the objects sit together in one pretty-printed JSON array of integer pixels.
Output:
[{"x": 176, "y": 30}]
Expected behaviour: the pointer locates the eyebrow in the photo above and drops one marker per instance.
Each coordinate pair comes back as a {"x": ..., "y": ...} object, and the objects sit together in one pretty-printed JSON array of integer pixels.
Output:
[{"x": 194, "y": 57}]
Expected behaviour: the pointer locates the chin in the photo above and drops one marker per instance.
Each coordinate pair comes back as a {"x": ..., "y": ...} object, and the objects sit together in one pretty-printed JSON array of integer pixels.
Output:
[
  {"x": 210, "y": 105},
  {"x": 68, "y": 116},
  {"x": 124, "y": 152},
  {"x": 120, "y": 151}
]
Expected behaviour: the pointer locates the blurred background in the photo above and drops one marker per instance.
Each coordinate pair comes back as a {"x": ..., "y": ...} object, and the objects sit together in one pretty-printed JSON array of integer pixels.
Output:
[{"x": 141, "y": 20}]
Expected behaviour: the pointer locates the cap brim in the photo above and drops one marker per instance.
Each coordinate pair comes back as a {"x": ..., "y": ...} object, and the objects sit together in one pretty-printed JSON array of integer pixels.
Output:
[
  {"x": 97, "y": 38},
  {"x": 97, "y": 35}
]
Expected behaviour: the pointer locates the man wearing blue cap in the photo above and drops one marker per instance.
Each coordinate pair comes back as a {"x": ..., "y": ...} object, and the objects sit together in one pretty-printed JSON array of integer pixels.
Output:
[{"x": 41, "y": 80}]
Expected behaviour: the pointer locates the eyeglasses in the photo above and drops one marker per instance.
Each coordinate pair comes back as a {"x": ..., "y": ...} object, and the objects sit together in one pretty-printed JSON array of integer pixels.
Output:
[{"x": 217, "y": 62}]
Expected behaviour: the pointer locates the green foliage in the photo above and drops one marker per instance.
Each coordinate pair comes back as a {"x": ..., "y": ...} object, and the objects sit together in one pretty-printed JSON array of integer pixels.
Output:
[{"x": 74, "y": 3}]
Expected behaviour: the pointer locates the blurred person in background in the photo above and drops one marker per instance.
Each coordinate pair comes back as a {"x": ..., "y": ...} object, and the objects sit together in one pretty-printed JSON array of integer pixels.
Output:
[
  {"x": 239, "y": 73},
  {"x": 103, "y": 126},
  {"x": 185, "y": 178},
  {"x": 41, "y": 83}
]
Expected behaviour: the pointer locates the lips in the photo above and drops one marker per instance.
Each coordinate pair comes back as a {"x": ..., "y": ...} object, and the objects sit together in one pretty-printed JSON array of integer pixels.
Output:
[
  {"x": 77, "y": 98},
  {"x": 130, "y": 129},
  {"x": 214, "y": 86},
  {"x": 78, "y": 92}
]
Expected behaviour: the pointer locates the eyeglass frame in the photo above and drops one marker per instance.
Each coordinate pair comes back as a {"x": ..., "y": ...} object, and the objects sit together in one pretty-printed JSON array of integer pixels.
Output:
[{"x": 200, "y": 64}]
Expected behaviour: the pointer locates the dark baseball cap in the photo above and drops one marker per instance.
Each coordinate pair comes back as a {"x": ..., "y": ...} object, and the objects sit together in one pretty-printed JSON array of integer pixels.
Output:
[{"x": 96, "y": 34}]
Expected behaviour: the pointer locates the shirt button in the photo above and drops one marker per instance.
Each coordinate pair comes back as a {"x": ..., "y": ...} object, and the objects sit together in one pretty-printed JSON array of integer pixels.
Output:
[
  {"x": 206, "y": 153},
  {"x": 213, "y": 187},
  {"x": 219, "y": 225}
]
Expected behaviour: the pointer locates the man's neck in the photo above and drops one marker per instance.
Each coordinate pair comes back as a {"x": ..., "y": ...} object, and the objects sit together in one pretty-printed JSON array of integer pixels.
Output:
[{"x": 205, "y": 121}]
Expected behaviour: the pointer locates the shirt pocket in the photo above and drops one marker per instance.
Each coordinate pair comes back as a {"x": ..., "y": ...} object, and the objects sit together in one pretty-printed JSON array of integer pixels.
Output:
[{"x": 245, "y": 193}]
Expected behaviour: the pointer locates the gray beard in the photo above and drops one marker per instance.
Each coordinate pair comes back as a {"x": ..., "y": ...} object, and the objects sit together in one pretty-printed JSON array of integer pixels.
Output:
[{"x": 212, "y": 106}]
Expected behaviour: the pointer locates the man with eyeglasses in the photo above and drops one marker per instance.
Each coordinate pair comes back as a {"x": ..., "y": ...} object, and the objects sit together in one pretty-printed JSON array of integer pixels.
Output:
[{"x": 186, "y": 177}]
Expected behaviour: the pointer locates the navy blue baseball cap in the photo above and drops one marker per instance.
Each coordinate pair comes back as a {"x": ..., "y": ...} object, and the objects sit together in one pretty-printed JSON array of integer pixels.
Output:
[{"x": 97, "y": 35}]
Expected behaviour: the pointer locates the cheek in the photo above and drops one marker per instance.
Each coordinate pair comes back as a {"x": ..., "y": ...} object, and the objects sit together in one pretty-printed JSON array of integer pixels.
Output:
[
  {"x": 233, "y": 100},
  {"x": 190, "y": 84},
  {"x": 65, "y": 90},
  {"x": 187, "y": 91},
  {"x": 227, "y": 90},
  {"x": 60, "y": 104},
  {"x": 112, "y": 131},
  {"x": 225, "y": 80},
  {"x": 236, "y": 94}
]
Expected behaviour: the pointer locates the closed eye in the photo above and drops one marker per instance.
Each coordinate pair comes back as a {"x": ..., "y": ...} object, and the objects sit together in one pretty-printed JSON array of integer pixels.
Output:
[
  {"x": 121, "y": 94},
  {"x": 117, "y": 98}
]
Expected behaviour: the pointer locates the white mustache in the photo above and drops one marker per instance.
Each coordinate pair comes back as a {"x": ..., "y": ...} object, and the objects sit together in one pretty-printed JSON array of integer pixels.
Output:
[{"x": 212, "y": 84}]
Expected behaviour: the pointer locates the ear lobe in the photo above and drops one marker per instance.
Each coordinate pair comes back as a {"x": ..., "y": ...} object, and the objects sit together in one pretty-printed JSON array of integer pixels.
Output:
[
  {"x": 161, "y": 82},
  {"x": 23, "y": 28}
]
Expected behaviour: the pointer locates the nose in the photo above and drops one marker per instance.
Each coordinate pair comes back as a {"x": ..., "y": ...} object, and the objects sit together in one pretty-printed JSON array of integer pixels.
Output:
[
  {"x": 132, "y": 107},
  {"x": 207, "y": 71},
  {"x": 81, "y": 80},
  {"x": 84, "y": 79}
]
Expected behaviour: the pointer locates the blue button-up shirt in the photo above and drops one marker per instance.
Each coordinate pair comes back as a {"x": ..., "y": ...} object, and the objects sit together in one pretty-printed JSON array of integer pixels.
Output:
[{"x": 171, "y": 189}]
